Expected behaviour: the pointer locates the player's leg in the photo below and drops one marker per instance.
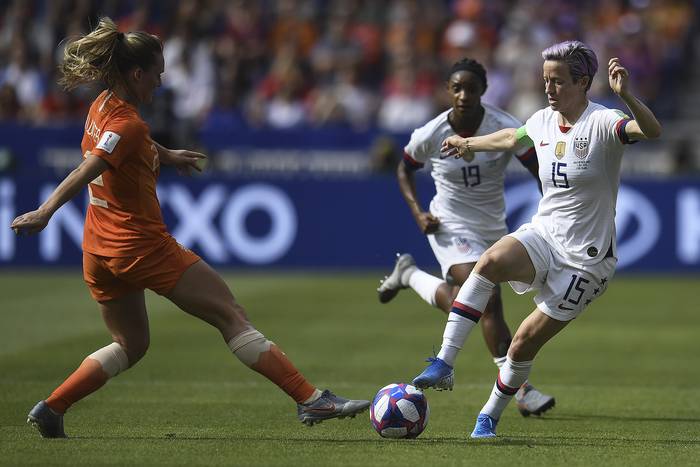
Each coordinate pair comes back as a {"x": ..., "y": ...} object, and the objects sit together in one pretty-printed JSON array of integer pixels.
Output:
[
  {"x": 453, "y": 249},
  {"x": 506, "y": 260},
  {"x": 446, "y": 293},
  {"x": 433, "y": 290},
  {"x": 535, "y": 331},
  {"x": 497, "y": 338},
  {"x": 127, "y": 321},
  {"x": 530, "y": 400},
  {"x": 567, "y": 290},
  {"x": 201, "y": 292},
  {"x": 493, "y": 325}
]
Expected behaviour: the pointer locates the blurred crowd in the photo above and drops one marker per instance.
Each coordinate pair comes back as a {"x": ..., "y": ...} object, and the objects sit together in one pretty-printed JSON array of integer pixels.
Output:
[{"x": 356, "y": 63}]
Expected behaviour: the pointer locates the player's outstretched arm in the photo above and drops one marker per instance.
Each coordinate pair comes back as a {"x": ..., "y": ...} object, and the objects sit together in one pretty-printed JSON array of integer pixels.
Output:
[
  {"x": 427, "y": 223},
  {"x": 35, "y": 221},
  {"x": 645, "y": 125},
  {"x": 501, "y": 140},
  {"x": 183, "y": 160}
]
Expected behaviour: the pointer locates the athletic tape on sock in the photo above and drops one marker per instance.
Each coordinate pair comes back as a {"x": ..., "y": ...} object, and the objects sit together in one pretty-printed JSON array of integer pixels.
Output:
[
  {"x": 113, "y": 359},
  {"x": 248, "y": 346}
]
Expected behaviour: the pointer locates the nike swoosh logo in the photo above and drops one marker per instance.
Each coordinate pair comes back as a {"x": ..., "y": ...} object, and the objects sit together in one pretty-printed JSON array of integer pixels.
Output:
[
  {"x": 542, "y": 143},
  {"x": 562, "y": 307},
  {"x": 320, "y": 410}
]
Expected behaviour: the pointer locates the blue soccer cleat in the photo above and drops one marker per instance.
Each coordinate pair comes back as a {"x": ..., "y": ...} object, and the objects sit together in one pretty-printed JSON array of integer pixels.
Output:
[
  {"x": 485, "y": 427},
  {"x": 439, "y": 375},
  {"x": 48, "y": 422}
]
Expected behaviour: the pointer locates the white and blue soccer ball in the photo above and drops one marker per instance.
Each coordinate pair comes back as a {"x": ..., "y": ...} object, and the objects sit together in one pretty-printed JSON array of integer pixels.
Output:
[{"x": 399, "y": 411}]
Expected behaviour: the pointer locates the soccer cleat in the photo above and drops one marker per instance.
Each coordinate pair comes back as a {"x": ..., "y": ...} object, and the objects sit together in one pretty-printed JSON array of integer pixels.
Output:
[
  {"x": 438, "y": 375},
  {"x": 398, "y": 279},
  {"x": 485, "y": 427},
  {"x": 48, "y": 422},
  {"x": 329, "y": 406},
  {"x": 531, "y": 401}
]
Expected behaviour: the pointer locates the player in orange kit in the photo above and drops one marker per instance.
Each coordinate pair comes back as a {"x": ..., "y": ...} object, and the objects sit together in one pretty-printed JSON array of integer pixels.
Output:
[{"x": 126, "y": 247}]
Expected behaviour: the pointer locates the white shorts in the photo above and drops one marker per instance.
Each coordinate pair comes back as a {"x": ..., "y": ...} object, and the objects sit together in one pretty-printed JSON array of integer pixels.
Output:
[
  {"x": 564, "y": 289},
  {"x": 456, "y": 247}
]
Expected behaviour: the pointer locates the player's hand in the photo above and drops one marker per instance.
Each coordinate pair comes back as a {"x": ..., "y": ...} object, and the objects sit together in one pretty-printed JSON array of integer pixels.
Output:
[
  {"x": 185, "y": 161},
  {"x": 458, "y": 147},
  {"x": 427, "y": 223},
  {"x": 618, "y": 76},
  {"x": 30, "y": 222}
]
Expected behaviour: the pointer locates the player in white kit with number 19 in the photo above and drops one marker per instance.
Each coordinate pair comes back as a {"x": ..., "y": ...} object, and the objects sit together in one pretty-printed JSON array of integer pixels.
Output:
[{"x": 567, "y": 253}]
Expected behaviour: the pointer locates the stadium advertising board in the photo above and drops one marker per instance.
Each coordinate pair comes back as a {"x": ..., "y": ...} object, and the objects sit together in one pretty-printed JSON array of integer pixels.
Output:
[{"x": 339, "y": 223}]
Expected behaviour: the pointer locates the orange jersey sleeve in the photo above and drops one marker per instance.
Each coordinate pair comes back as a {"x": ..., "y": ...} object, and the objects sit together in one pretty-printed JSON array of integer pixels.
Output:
[
  {"x": 119, "y": 140},
  {"x": 123, "y": 217}
]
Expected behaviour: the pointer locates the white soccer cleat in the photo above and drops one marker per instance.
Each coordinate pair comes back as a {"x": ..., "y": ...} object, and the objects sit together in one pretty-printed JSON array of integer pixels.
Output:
[
  {"x": 532, "y": 402},
  {"x": 398, "y": 279}
]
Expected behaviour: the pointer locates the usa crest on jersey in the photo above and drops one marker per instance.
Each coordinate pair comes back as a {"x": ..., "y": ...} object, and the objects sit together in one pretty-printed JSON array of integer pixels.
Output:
[{"x": 581, "y": 147}]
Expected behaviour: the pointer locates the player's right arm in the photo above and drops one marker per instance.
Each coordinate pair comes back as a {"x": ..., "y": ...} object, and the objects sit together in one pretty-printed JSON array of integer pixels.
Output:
[
  {"x": 427, "y": 223},
  {"x": 34, "y": 221},
  {"x": 501, "y": 140}
]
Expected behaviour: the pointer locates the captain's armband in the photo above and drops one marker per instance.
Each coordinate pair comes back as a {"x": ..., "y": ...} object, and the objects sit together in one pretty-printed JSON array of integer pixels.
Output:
[{"x": 522, "y": 138}]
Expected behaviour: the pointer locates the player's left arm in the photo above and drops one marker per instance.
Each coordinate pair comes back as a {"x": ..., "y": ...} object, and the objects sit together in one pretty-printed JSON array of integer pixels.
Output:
[
  {"x": 183, "y": 160},
  {"x": 645, "y": 125}
]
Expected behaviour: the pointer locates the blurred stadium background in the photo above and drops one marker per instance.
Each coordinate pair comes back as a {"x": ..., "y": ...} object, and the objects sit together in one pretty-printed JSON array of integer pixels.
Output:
[{"x": 303, "y": 107}]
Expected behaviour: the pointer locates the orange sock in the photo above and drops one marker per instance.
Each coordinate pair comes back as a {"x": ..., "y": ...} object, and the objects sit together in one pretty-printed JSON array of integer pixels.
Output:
[
  {"x": 88, "y": 378},
  {"x": 275, "y": 366}
]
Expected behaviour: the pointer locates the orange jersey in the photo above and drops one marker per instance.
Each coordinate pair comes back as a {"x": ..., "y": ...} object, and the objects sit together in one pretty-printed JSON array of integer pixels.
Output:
[{"x": 123, "y": 217}]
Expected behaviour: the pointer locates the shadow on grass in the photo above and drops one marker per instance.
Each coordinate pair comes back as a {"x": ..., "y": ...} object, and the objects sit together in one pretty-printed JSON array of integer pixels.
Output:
[
  {"x": 591, "y": 441},
  {"x": 618, "y": 418},
  {"x": 539, "y": 441},
  {"x": 267, "y": 439}
]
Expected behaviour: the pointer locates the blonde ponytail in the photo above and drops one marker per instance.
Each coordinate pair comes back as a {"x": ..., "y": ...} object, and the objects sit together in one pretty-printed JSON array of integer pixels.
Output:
[{"x": 106, "y": 55}]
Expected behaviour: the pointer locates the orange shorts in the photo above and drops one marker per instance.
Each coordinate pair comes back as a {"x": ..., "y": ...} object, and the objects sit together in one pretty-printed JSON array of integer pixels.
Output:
[{"x": 159, "y": 270}]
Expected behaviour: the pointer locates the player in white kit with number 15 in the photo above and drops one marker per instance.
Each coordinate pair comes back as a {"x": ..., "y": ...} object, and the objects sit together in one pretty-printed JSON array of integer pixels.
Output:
[
  {"x": 567, "y": 253},
  {"x": 467, "y": 214}
]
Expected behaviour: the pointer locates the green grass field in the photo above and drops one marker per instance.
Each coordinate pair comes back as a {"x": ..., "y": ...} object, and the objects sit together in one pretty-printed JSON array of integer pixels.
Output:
[{"x": 625, "y": 376}]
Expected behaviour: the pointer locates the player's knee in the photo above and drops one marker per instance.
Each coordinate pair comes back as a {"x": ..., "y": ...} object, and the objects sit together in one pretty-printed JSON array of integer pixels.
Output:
[
  {"x": 491, "y": 265},
  {"x": 233, "y": 319},
  {"x": 522, "y": 348},
  {"x": 135, "y": 348}
]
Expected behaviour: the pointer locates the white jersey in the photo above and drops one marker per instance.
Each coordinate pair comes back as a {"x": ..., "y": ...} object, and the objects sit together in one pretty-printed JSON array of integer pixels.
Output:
[
  {"x": 469, "y": 194},
  {"x": 580, "y": 174}
]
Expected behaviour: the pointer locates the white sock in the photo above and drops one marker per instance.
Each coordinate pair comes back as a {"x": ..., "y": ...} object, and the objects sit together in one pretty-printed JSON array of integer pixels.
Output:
[
  {"x": 499, "y": 361},
  {"x": 466, "y": 312},
  {"x": 511, "y": 376},
  {"x": 425, "y": 285}
]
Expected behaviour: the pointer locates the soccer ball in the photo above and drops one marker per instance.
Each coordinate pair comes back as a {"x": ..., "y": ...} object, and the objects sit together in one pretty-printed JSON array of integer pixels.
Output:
[{"x": 399, "y": 411}]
